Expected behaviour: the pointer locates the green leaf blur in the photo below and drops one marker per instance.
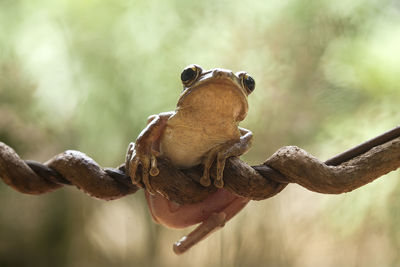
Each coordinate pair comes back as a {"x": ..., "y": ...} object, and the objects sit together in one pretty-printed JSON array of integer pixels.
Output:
[{"x": 85, "y": 75}]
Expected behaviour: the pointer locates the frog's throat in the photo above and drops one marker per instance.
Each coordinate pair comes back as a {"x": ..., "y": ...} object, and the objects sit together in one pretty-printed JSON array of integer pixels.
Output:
[{"x": 222, "y": 81}]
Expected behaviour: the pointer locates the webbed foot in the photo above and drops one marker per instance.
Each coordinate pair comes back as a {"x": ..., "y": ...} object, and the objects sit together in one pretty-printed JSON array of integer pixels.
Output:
[
  {"x": 141, "y": 154},
  {"x": 219, "y": 153}
]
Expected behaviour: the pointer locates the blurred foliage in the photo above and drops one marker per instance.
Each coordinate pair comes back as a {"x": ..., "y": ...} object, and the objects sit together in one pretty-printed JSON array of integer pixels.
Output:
[{"x": 86, "y": 74}]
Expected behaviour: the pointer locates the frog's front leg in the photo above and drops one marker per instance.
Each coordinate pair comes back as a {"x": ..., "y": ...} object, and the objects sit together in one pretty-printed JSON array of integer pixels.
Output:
[
  {"x": 221, "y": 153},
  {"x": 142, "y": 152}
]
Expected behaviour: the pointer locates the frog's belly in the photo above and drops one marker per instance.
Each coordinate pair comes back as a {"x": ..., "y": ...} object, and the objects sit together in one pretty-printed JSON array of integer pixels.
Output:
[{"x": 185, "y": 147}]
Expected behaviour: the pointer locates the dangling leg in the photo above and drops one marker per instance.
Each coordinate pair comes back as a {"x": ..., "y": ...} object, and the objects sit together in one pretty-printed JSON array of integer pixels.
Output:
[{"x": 216, "y": 221}]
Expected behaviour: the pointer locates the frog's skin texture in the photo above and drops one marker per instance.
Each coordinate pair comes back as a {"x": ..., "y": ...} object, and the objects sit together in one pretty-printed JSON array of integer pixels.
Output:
[{"x": 203, "y": 129}]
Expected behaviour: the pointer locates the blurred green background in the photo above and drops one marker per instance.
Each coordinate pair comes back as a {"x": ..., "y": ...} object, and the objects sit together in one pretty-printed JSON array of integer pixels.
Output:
[{"x": 85, "y": 75}]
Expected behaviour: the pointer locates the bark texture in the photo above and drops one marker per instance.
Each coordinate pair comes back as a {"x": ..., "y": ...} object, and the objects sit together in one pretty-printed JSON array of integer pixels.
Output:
[{"x": 288, "y": 165}]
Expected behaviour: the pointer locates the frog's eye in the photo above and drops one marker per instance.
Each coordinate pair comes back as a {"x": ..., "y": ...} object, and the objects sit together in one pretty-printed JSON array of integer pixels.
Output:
[
  {"x": 247, "y": 82},
  {"x": 189, "y": 74}
]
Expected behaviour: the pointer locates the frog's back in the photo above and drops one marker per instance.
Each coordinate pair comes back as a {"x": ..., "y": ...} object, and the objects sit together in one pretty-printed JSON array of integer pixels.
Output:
[{"x": 185, "y": 141}]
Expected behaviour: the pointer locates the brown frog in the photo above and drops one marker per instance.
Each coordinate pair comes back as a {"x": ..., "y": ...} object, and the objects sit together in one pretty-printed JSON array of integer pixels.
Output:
[{"x": 203, "y": 129}]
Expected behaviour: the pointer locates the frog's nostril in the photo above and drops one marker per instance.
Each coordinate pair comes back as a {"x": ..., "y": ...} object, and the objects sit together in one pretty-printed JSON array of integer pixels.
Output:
[{"x": 217, "y": 73}]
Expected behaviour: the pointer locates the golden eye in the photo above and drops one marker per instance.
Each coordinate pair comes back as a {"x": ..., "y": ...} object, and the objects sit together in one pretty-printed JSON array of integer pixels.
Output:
[
  {"x": 189, "y": 74},
  {"x": 247, "y": 82}
]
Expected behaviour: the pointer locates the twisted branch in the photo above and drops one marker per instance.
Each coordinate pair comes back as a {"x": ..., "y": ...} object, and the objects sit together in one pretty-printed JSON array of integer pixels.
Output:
[{"x": 343, "y": 173}]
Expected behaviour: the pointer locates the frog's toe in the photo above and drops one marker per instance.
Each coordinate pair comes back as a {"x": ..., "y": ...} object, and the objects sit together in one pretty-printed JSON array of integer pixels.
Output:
[
  {"x": 131, "y": 149},
  {"x": 133, "y": 165},
  {"x": 148, "y": 164},
  {"x": 154, "y": 170},
  {"x": 145, "y": 162},
  {"x": 218, "y": 183},
  {"x": 205, "y": 180},
  {"x": 146, "y": 180},
  {"x": 221, "y": 159},
  {"x": 211, "y": 156}
]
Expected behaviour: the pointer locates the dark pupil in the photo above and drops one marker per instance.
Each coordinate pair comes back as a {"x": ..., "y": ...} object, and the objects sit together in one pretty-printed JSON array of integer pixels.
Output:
[
  {"x": 249, "y": 82},
  {"x": 188, "y": 74}
]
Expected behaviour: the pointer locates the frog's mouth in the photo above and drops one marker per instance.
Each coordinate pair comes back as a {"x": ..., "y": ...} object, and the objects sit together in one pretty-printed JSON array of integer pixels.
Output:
[{"x": 222, "y": 96}]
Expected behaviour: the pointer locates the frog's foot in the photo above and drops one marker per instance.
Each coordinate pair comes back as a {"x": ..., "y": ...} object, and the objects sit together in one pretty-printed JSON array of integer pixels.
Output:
[
  {"x": 219, "y": 153},
  {"x": 214, "y": 222},
  {"x": 148, "y": 161},
  {"x": 212, "y": 213}
]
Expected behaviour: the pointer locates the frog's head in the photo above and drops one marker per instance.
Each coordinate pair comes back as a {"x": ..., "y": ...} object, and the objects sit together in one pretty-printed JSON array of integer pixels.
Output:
[{"x": 216, "y": 91}]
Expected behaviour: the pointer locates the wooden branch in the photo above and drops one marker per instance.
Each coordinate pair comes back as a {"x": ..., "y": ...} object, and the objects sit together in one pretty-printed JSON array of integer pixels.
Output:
[
  {"x": 17, "y": 174},
  {"x": 288, "y": 165},
  {"x": 302, "y": 168},
  {"x": 87, "y": 175}
]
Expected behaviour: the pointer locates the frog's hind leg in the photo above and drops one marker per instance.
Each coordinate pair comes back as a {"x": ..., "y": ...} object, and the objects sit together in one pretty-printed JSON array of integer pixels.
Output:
[
  {"x": 214, "y": 222},
  {"x": 221, "y": 153}
]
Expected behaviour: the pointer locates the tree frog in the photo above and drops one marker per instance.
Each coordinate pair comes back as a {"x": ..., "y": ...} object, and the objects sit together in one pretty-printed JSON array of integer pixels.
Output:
[{"x": 202, "y": 129}]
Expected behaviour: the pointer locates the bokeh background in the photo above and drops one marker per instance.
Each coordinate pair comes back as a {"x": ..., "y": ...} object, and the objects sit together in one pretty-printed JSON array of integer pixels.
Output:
[{"x": 85, "y": 75}]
